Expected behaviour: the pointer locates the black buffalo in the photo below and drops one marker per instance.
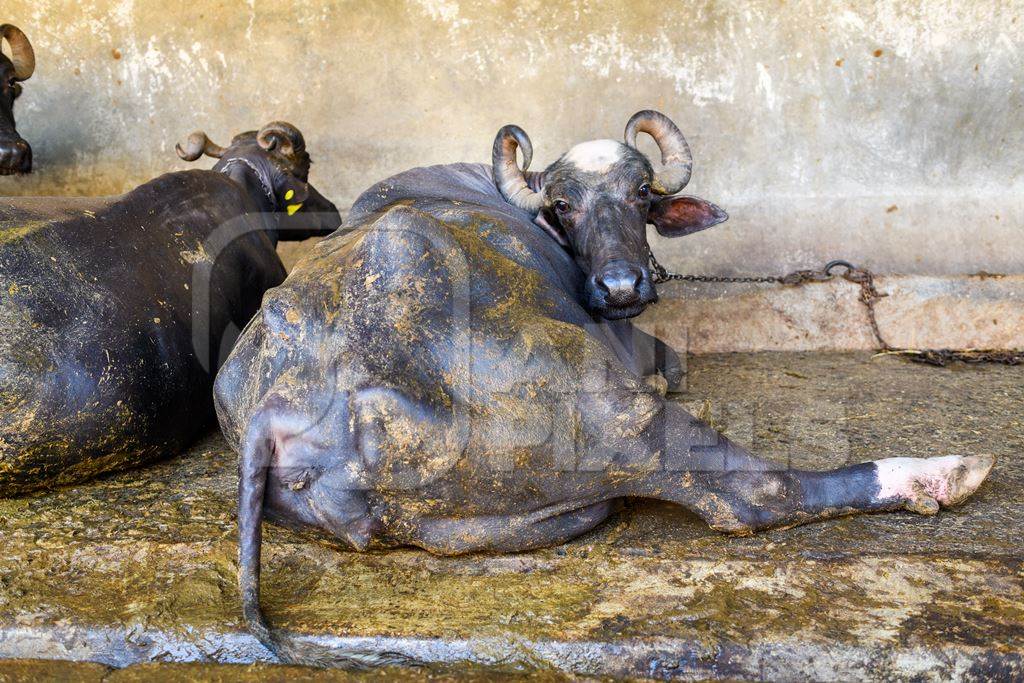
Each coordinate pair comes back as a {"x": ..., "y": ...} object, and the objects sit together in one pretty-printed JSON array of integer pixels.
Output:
[
  {"x": 116, "y": 311},
  {"x": 15, "y": 152},
  {"x": 437, "y": 376}
]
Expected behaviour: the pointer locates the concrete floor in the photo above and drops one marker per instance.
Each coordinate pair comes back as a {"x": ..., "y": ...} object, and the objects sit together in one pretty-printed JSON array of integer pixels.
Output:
[{"x": 140, "y": 567}]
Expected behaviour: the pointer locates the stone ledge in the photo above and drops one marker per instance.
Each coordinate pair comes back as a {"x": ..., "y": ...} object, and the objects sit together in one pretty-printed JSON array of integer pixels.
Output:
[
  {"x": 32, "y": 670},
  {"x": 651, "y": 658},
  {"x": 981, "y": 311}
]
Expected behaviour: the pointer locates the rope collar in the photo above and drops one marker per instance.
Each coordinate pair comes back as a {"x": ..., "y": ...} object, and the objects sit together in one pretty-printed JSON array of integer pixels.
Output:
[{"x": 264, "y": 181}]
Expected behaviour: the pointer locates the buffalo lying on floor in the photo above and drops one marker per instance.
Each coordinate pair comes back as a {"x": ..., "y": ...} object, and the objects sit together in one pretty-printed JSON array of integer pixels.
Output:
[
  {"x": 454, "y": 372},
  {"x": 15, "y": 152},
  {"x": 116, "y": 311}
]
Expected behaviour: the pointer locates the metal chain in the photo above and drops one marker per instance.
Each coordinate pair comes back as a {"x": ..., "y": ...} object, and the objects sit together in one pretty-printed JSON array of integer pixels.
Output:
[
  {"x": 662, "y": 274},
  {"x": 869, "y": 295}
]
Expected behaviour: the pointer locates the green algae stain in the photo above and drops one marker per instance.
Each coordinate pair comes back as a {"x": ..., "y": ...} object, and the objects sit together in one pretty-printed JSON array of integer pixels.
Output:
[
  {"x": 519, "y": 285},
  {"x": 15, "y": 231},
  {"x": 420, "y": 594},
  {"x": 25, "y": 670}
]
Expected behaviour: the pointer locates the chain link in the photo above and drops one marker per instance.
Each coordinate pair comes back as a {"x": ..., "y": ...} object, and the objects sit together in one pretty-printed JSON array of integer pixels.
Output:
[{"x": 869, "y": 295}]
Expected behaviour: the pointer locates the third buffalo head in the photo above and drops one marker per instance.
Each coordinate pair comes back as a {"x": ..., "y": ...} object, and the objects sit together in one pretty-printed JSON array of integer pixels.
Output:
[
  {"x": 15, "y": 152},
  {"x": 597, "y": 199}
]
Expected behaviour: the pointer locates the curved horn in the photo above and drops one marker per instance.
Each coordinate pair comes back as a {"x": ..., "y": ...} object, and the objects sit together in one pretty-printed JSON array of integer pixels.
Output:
[
  {"x": 22, "y": 54},
  {"x": 197, "y": 145},
  {"x": 281, "y": 137},
  {"x": 510, "y": 179},
  {"x": 676, "y": 159}
]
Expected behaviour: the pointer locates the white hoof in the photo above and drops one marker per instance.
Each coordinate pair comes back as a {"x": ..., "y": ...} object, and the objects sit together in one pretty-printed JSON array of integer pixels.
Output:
[{"x": 926, "y": 484}]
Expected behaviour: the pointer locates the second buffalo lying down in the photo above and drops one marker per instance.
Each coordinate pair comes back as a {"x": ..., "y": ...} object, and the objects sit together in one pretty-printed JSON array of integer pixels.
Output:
[
  {"x": 439, "y": 377},
  {"x": 117, "y": 310}
]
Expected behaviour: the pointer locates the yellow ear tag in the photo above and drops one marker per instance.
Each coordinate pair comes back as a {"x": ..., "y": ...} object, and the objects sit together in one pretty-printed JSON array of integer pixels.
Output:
[
  {"x": 289, "y": 194},
  {"x": 292, "y": 208}
]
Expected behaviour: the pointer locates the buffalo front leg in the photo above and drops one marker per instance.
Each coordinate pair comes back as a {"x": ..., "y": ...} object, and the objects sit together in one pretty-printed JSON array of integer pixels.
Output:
[
  {"x": 737, "y": 492},
  {"x": 648, "y": 357}
]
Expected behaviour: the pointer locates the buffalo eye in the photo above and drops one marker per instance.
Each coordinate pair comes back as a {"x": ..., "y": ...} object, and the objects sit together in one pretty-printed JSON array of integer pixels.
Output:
[
  {"x": 562, "y": 206},
  {"x": 644, "y": 191}
]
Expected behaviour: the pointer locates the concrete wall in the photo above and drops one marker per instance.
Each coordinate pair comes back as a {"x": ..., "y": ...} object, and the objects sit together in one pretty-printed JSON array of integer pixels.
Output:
[{"x": 889, "y": 133}]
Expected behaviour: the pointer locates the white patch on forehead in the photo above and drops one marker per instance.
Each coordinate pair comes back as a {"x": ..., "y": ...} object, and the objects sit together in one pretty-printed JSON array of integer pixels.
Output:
[{"x": 596, "y": 156}]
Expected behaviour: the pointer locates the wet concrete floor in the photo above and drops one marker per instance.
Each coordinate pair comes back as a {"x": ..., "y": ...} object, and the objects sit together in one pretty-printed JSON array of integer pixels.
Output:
[{"x": 140, "y": 567}]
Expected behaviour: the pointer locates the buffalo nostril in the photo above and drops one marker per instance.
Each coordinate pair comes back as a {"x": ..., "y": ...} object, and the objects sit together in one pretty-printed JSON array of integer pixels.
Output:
[
  {"x": 620, "y": 280},
  {"x": 15, "y": 156},
  {"x": 620, "y": 284}
]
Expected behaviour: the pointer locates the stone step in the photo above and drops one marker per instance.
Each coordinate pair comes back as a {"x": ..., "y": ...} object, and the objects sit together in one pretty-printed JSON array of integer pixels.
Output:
[{"x": 32, "y": 670}]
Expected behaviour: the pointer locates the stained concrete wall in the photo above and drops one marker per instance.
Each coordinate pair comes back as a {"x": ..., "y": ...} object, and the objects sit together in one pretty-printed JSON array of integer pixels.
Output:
[{"x": 889, "y": 133}]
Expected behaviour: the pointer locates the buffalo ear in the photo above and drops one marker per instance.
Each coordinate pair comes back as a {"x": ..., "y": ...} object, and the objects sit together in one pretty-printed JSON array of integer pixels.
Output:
[
  {"x": 292, "y": 193},
  {"x": 678, "y": 216}
]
